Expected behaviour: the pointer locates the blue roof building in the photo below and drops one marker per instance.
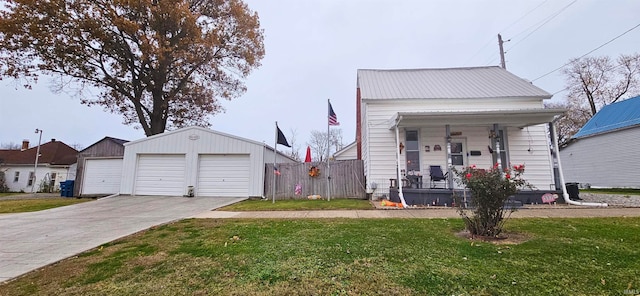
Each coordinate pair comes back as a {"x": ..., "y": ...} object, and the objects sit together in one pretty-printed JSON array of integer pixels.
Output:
[
  {"x": 604, "y": 153},
  {"x": 612, "y": 117}
]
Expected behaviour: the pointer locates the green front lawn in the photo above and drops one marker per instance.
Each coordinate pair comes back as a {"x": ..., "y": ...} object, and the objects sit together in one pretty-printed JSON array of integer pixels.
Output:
[
  {"x": 351, "y": 257},
  {"x": 3, "y": 194},
  {"x": 36, "y": 204},
  {"x": 299, "y": 205},
  {"x": 620, "y": 191}
]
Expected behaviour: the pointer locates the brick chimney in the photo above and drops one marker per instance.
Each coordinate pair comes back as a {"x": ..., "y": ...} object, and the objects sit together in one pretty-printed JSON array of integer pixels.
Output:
[{"x": 25, "y": 145}]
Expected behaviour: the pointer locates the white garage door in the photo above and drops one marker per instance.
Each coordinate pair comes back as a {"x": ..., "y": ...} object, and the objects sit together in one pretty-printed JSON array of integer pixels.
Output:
[
  {"x": 160, "y": 175},
  {"x": 223, "y": 175},
  {"x": 101, "y": 176}
]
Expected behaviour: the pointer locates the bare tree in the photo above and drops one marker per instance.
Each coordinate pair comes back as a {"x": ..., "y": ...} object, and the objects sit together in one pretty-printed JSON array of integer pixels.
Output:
[
  {"x": 570, "y": 122},
  {"x": 594, "y": 82},
  {"x": 295, "y": 147},
  {"x": 77, "y": 146},
  {"x": 319, "y": 142},
  {"x": 10, "y": 146}
]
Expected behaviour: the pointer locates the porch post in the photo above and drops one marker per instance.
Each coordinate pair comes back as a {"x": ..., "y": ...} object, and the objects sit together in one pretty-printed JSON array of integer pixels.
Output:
[
  {"x": 449, "y": 163},
  {"x": 496, "y": 132},
  {"x": 398, "y": 176}
]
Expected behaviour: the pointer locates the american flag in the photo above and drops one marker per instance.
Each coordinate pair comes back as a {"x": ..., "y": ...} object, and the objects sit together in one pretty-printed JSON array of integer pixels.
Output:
[
  {"x": 333, "y": 119},
  {"x": 276, "y": 170}
]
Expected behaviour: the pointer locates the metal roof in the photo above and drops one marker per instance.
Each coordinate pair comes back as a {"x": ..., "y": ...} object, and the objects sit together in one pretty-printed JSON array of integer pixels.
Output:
[
  {"x": 518, "y": 118},
  {"x": 475, "y": 82},
  {"x": 612, "y": 117}
]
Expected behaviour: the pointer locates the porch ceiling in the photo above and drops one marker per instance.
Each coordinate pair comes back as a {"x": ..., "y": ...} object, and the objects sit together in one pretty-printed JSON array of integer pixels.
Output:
[{"x": 515, "y": 118}]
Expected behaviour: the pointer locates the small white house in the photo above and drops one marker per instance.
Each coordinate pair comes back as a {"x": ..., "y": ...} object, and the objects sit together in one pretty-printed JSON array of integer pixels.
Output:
[
  {"x": 604, "y": 153},
  {"x": 411, "y": 119},
  {"x": 55, "y": 164},
  {"x": 198, "y": 160},
  {"x": 349, "y": 152}
]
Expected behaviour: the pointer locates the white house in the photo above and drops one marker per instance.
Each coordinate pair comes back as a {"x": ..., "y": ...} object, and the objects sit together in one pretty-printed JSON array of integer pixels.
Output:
[
  {"x": 349, "y": 152},
  {"x": 206, "y": 162},
  {"x": 411, "y": 119},
  {"x": 604, "y": 153},
  {"x": 55, "y": 164}
]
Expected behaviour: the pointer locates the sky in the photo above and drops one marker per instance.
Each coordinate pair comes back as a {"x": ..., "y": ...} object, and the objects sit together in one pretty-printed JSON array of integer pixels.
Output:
[{"x": 315, "y": 47}]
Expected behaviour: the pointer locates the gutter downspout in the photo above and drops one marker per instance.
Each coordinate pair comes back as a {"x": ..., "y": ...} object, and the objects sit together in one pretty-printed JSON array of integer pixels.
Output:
[
  {"x": 399, "y": 178},
  {"x": 565, "y": 195}
]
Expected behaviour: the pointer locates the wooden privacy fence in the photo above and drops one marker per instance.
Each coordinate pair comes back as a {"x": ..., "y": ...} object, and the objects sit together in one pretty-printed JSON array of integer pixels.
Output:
[{"x": 347, "y": 180}]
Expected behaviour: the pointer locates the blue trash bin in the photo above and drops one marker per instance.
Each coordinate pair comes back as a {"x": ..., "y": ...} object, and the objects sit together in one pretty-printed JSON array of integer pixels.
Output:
[
  {"x": 66, "y": 188},
  {"x": 63, "y": 188}
]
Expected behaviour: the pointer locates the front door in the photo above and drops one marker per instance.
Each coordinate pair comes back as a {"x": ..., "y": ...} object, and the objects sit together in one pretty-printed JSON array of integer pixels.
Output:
[{"x": 458, "y": 157}]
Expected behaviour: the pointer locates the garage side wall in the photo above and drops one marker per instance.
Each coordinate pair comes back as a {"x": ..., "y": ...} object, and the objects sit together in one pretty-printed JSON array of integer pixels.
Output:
[{"x": 192, "y": 143}]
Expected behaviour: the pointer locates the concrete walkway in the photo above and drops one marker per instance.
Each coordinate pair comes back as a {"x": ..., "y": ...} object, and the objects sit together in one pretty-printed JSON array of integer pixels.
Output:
[
  {"x": 32, "y": 240},
  {"x": 563, "y": 211}
]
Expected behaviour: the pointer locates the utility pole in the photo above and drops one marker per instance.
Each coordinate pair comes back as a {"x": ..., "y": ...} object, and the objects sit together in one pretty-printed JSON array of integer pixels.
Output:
[{"x": 500, "y": 42}]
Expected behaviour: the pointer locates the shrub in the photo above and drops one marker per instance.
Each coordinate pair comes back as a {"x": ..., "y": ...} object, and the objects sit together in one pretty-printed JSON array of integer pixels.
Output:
[
  {"x": 490, "y": 190},
  {"x": 3, "y": 184}
]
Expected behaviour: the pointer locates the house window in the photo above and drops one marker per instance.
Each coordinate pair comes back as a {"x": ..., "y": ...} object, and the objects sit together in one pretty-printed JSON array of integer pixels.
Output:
[
  {"x": 413, "y": 151},
  {"x": 457, "y": 154},
  {"x": 16, "y": 177},
  {"x": 31, "y": 177}
]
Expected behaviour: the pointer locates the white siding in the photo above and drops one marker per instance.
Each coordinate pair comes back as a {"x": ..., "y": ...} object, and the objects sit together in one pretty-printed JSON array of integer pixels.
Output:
[
  {"x": 62, "y": 174},
  {"x": 101, "y": 176},
  {"x": 379, "y": 142},
  {"x": 192, "y": 142},
  {"x": 223, "y": 175},
  {"x": 530, "y": 146},
  {"x": 348, "y": 153},
  {"x": 608, "y": 160}
]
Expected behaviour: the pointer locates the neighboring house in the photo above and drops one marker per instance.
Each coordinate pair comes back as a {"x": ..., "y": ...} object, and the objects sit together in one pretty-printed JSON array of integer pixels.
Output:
[
  {"x": 206, "y": 162},
  {"x": 409, "y": 120},
  {"x": 55, "y": 164},
  {"x": 349, "y": 152},
  {"x": 99, "y": 168},
  {"x": 604, "y": 152}
]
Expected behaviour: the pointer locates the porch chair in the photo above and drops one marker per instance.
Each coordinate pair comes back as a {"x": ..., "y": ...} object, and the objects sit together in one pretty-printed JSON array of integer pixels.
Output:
[{"x": 436, "y": 174}]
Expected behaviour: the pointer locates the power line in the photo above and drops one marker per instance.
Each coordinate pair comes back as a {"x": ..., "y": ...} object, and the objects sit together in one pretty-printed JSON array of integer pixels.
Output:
[
  {"x": 507, "y": 28},
  {"x": 544, "y": 22},
  {"x": 582, "y": 56}
]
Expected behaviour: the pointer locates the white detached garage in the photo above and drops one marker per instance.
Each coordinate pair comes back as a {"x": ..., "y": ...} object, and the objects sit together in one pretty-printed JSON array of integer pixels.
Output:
[{"x": 213, "y": 163}]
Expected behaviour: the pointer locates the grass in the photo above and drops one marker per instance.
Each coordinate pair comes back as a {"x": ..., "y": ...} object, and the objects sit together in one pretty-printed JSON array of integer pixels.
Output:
[
  {"x": 36, "y": 204},
  {"x": 3, "y": 194},
  {"x": 595, "y": 256},
  {"x": 299, "y": 205},
  {"x": 621, "y": 191}
]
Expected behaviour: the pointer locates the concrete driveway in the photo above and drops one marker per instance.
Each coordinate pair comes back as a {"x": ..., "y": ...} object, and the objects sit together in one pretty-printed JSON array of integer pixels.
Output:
[{"x": 32, "y": 240}]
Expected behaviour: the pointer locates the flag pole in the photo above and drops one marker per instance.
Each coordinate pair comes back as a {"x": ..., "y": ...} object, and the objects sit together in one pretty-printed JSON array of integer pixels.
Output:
[
  {"x": 328, "y": 149},
  {"x": 275, "y": 153}
]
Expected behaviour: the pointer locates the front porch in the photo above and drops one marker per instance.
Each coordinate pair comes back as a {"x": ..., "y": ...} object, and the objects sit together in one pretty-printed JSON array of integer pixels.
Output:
[{"x": 445, "y": 197}]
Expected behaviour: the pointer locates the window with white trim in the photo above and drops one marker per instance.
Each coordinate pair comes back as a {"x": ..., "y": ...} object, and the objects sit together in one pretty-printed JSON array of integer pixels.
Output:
[
  {"x": 32, "y": 176},
  {"x": 413, "y": 151}
]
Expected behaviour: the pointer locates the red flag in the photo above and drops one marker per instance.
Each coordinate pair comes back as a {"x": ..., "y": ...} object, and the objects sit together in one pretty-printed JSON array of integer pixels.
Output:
[{"x": 308, "y": 157}]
